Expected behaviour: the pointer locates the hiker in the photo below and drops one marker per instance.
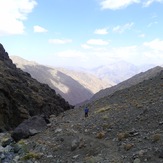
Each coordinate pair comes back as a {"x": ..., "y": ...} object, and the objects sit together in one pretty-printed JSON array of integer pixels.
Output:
[{"x": 86, "y": 110}]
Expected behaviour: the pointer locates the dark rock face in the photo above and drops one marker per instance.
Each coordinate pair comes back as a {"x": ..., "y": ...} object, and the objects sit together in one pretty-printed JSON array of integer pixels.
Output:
[{"x": 22, "y": 96}]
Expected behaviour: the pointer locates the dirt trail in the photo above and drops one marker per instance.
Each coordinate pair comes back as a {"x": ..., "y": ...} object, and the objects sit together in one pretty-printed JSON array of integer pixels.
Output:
[{"x": 78, "y": 125}]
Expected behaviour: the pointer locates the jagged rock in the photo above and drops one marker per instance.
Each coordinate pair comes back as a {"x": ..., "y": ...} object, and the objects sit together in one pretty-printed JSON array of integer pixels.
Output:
[{"x": 29, "y": 127}]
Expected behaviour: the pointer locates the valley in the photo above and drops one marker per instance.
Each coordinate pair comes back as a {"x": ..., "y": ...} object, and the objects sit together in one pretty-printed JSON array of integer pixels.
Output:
[{"x": 124, "y": 125}]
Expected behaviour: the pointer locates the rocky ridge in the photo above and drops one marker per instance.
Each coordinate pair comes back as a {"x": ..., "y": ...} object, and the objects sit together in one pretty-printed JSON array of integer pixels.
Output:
[
  {"x": 127, "y": 83},
  {"x": 124, "y": 127},
  {"x": 21, "y": 96}
]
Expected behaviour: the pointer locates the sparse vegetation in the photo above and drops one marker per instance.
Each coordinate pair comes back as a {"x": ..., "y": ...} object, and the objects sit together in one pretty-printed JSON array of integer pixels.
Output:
[
  {"x": 156, "y": 137},
  {"x": 128, "y": 146},
  {"x": 22, "y": 142},
  {"x": 106, "y": 126},
  {"x": 105, "y": 117},
  {"x": 123, "y": 135},
  {"x": 104, "y": 109},
  {"x": 31, "y": 155},
  {"x": 100, "y": 135}
]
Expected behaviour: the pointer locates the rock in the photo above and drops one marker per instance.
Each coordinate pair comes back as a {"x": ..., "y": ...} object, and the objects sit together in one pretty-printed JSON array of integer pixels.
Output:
[
  {"x": 128, "y": 146},
  {"x": 58, "y": 130},
  {"x": 6, "y": 141},
  {"x": 76, "y": 156},
  {"x": 141, "y": 153},
  {"x": 94, "y": 159},
  {"x": 74, "y": 144},
  {"x": 29, "y": 127},
  {"x": 16, "y": 148},
  {"x": 137, "y": 160},
  {"x": 33, "y": 132},
  {"x": 16, "y": 158},
  {"x": 161, "y": 154}
]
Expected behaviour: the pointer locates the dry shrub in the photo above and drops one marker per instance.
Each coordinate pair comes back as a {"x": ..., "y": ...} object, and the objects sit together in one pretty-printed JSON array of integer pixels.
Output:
[
  {"x": 106, "y": 126},
  {"x": 155, "y": 137},
  {"x": 31, "y": 155},
  {"x": 100, "y": 135},
  {"x": 104, "y": 109},
  {"x": 122, "y": 135},
  {"x": 105, "y": 117},
  {"x": 128, "y": 146}
]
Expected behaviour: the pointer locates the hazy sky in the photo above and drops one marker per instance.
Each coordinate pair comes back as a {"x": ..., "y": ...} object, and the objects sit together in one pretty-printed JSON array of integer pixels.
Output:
[{"x": 83, "y": 33}]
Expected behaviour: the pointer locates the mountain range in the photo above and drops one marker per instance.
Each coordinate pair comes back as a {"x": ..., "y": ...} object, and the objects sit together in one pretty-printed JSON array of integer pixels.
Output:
[
  {"x": 77, "y": 86},
  {"x": 118, "y": 71},
  {"x": 74, "y": 86},
  {"x": 127, "y": 83}
]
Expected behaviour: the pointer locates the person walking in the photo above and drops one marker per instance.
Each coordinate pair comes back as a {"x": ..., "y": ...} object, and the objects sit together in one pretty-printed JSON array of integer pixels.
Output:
[{"x": 86, "y": 110}]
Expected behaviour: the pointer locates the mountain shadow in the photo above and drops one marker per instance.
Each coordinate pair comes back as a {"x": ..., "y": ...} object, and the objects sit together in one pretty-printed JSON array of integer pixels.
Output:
[{"x": 63, "y": 84}]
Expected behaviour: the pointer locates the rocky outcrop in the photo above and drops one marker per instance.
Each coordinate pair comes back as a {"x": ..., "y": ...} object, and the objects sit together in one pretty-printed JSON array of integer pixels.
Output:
[
  {"x": 29, "y": 127},
  {"x": 21, "y": 96}
]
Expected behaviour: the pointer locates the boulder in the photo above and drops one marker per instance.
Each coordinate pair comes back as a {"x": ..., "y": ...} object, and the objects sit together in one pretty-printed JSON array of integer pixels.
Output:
[{"x": 35, "y": 123}]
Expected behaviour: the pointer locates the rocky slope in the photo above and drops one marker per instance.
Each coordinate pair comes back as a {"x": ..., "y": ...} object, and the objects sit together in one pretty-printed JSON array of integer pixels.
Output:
[
  {"x": 74, "y": 86},
  {"x": 125, "y": 127},
  {"x": 127, "y": 83},
  {"x": 21, "y": 96}
]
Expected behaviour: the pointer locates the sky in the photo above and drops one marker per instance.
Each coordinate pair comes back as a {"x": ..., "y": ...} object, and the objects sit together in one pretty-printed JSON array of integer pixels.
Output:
[{"x": 83, "y": 33}]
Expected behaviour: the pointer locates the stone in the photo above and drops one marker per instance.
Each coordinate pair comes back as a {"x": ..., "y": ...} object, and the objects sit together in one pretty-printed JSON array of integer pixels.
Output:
[
  {"x": 6, "y": 141},
  {"x": 137, "y": 160},
  {"x": 74, "y": 144},
  {"x": 29, "y": 127}
]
